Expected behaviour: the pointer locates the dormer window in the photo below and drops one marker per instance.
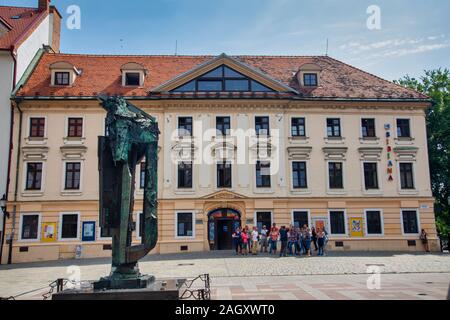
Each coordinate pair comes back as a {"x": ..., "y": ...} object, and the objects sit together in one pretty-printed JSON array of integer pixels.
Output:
[
  {"x": 133, "y": 74},
  {"x": 63, "y": 73},
  {"x": 308, "y": 75},
  {"x": 132, "y": 78},
  {"x": 310, "y": 79},
  {"x": 62, "y": 78}
]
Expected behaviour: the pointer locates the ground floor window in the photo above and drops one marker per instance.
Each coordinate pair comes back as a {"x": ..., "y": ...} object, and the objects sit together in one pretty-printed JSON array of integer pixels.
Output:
[
  {"x": 374, "y": 222},
  {"x": 184, "y": 224},
  {"x": 30, "y": 227},
  {"x": 300, "y": 218},
  {"x": 69, "y": 226},
  {"x": 337, "y": 222},
  {"x": 140, "y": 224},
  {"x": 410, "y": 222},
  {"x": 263, "y": 218}
]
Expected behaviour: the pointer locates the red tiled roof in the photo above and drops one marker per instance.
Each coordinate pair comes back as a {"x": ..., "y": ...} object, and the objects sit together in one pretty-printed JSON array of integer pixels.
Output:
[
  {"x": 30, "y": 18},
  {"x": 102, "y": 74}
]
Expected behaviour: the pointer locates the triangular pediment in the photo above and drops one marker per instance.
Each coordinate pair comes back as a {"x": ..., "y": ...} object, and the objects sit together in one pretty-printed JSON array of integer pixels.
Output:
[
  {"x": 223, "y": 68},
  {"x": 224, "y": 194}
]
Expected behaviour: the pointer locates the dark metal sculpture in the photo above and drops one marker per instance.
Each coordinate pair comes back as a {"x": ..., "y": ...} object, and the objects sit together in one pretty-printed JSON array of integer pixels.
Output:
[{"x": 131, "y": 135}]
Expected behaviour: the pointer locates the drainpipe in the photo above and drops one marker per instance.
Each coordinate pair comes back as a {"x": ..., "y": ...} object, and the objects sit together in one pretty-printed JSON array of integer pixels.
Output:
[
  {"x": 16, "y": 184},
  {"x": 11, "y": 127}
]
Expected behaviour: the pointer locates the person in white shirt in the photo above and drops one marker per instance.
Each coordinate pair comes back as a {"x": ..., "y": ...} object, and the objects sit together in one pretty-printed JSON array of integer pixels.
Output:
[
  {"x": 255, "y": 238},
  {"x": 264, "y": 243}
]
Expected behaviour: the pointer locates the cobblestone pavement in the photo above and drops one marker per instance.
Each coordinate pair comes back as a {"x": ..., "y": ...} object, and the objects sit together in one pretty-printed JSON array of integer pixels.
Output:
[{"x": 241, "y": 277}]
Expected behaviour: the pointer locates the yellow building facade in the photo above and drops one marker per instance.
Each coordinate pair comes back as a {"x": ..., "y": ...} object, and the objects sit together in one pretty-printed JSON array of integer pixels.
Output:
[{"x": 357, "y": 165}]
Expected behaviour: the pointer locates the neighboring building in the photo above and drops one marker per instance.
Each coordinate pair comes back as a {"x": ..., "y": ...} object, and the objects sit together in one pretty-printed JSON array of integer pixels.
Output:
[
  {"x": 23, "y": 31},
  {"x": 329, "y": 145}
]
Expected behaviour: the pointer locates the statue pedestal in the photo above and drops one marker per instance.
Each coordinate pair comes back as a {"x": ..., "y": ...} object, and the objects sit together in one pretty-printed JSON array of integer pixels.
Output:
[{"x": 157, "y": 290}]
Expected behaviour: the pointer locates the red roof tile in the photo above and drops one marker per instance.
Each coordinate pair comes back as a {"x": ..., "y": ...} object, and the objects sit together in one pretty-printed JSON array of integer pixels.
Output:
[
  {"x": 102, "y": 74},
  {"x": 29, "y": 20}
]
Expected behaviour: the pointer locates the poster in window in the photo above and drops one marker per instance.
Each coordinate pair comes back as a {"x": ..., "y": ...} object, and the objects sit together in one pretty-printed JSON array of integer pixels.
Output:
[
  {"x": 356, "y": 227},
  {"x": 49, "y": 232},
  {"x": 320, "y": 223},
  {"x": 88, "y": 231}
]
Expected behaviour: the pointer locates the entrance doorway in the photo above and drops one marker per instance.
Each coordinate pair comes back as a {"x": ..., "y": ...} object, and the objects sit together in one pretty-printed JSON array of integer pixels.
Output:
[{"x": 221, "y": 225}]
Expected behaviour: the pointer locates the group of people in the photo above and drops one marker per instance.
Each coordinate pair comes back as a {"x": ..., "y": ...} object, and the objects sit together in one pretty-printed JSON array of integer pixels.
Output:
[{"x": 293, "y": 240}]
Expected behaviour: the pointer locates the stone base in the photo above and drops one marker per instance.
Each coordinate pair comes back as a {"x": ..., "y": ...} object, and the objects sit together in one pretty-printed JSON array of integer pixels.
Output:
[
  {"x": 157, "y": 290},
  {"x": 116, "y": 283}
]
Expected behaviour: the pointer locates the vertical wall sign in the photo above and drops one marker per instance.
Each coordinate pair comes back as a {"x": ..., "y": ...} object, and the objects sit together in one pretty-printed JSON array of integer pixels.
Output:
[{"x": 390, "y": 164}]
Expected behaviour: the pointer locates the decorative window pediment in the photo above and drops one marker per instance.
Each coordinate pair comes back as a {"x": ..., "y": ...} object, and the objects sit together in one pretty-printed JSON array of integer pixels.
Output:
[
  {"x": 183, "y": 151},
  {"x": 223, "y": 150},
  {"x": 35, "y": 153},
  {"x": 73, "y": 152},
  {"x": 368, "y": 153},
  {"x": 335, "y": 153},
  {"x": 406, "y": 153},
  {"x": 299, "y": 153},
  {"x": 133, "y": 74}
]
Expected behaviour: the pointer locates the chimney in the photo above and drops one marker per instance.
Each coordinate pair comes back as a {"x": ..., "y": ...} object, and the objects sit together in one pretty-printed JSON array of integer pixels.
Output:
[
  {"x": 55, "y": 28},
  {"x": 44, "y": 5}
]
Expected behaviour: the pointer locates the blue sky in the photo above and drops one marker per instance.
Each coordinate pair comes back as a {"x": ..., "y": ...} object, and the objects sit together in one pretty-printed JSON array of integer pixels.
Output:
[{"x": 414, "y": 35}]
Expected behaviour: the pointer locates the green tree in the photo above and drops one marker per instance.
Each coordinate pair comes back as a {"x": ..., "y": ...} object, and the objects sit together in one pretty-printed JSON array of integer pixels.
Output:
[{"x": 436, "y": 85}]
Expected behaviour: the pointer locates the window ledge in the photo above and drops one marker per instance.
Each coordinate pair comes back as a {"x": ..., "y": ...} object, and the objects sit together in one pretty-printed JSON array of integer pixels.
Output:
[
  {"x": 32, "y": 193},
  {"x": 408, "y": 192},
  {"x": 36, "y": 141},
  {"x": 334, "y": 140},
  {"x": 74, "y": 141},
  {"x": 264, "y": 191},
  {"x": 404, "y": 141},
  {"x": 336, "y": 192},
  {"x": 374, "y": 192},
  {"x": 184, "y": 192},
  {"x": 301, "y": 192},
  {"x": 71, "y": 193},
  {"x": 369, "y": 140},
  {"x": 298, "y": 139}
]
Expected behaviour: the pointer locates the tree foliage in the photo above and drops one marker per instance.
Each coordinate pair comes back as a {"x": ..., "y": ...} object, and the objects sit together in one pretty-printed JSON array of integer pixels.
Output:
[{"x": 436, "y": 85}]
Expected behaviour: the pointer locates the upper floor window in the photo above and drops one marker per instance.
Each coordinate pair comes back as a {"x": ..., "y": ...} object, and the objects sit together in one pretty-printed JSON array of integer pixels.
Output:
[
  {"x": 403, "y": 128},
  {"x": 222, "y": 78},
  {"x": 37, "y": 127},
  {"x": 75, "y": 127},
  {"x": 185, "y": 126},
  {"x": 73, "y": 176},
  {"x": 224, "y": 175},
  {"x": 333, "y": 127},
  {"x": 310, "y": 79},
  {"x": 299, "y": 175},
  {"x": 185, "y": 175},
  {"x": 142, "y": 175},
  {"x": 263, "y": 174},
  {"x": 34, "y": 176},
  {"x": 368, "y": 128},
  {"x": 223, "y": 125},
  {"x": 406, "y": 176},
  {"x": 335, "y": 175},
  {"x": 298, "y": 127},
  {"x": 262, "y": 126},
  {"x": 370, "y": 175},
  {"x": 62, "y": 78},
  {"x": 132, "y": 78}
]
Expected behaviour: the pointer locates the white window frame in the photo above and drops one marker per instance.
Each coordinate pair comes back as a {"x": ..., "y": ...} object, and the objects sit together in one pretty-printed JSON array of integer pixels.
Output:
[
  {"x": 344, "y": 171},
  {"x": 178, "y": 124},
  {"x": 66, "y": 128},
  {"x": 138, "y": 225},
  {"x": 36, "y": 140},
  {"x": 99, "y": 237},
  {"x": 71, "y": 78},
  {"x": 255, "y": 221},
  {"x": 262, "y": 189},
  {"x": 215, "y": 124},
  {"x": 184, "y": 190},
  {"x": 291, "y": 170},
  {"x": 38, "y": 239},
  {"x": 363, "y": 179},
  {"x": 63, "y": 178},
  {"x": 141, "y": 78},
  {"x": 176, "y": 225},
  {"x": 24, "y": 179},
  {"x": 410, "y": 128},
  {"x": 366, "y": 223},
  {"x": 216, "y": 187},
  {"x": 376, "y": 128},
  {"x": 345, "y": 223},
  {"x": 301, "y": 210},
  {"x": 341, "y": 127},
  {"x": 418, "y": 222},
  {"x": 254, "y": 124},
  {"x": 60, "y": 224},
  {"x": 399, "y": 179},
  {"x": 290, "y": 127}
]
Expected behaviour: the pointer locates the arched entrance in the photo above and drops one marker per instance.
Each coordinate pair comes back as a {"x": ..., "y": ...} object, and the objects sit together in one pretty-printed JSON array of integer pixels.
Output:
[{"x": 221, "y": 225}]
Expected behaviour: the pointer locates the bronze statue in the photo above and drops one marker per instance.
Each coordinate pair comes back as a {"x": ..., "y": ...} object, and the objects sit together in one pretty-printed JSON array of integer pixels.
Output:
[{"x": 131, "y": 135}]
